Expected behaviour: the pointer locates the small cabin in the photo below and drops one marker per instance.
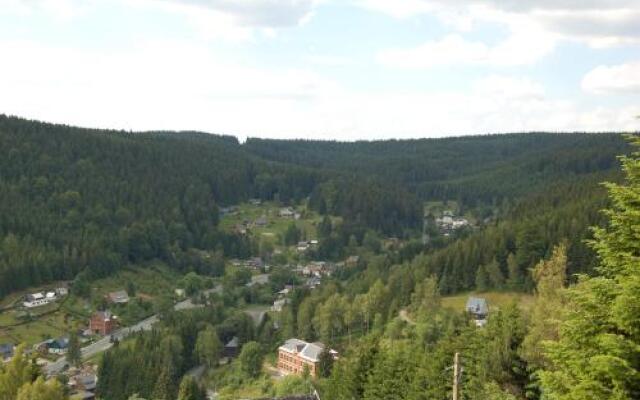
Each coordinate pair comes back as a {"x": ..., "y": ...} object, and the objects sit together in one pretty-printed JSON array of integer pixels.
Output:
[
  {"x": 478, "y": 308},
  {"x": 231, "y": 349}
]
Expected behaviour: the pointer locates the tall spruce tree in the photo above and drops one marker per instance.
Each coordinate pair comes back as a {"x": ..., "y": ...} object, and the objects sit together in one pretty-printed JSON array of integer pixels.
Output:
[
  {"x": 74, "y": 354},
  {"x": 598, "y": 353},
  {"x": 546, "y": 314}
]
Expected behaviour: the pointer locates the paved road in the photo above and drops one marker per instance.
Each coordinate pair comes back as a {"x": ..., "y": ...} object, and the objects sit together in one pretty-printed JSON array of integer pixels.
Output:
[{"x": 105, "y": 343}]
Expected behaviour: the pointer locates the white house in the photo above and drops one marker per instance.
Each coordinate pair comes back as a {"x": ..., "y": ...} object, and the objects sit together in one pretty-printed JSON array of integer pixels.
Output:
[
  {"x": 38, "y": 299},
  {"x": 287, "y": 212}
]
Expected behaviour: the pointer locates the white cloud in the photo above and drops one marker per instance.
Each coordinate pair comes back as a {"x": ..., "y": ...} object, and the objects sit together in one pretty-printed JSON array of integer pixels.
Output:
[
  {"x": 325, "y": 60},
  {"x": 235, "y": 20},
  {"x": 164, "y": 85},
  {"x": 257, "y": 13},
  {"x": 599, "y": 23},
  {"x": 62, "y": 10},
  {"x": 452, "y": 49},
  {"x": 617, "y": 79},
  {"x": 174, "y": 85},
  {"x": 526, "y": 46},
  {"x": 510, "y": 88},
  {"x": 398, "y": 9}
]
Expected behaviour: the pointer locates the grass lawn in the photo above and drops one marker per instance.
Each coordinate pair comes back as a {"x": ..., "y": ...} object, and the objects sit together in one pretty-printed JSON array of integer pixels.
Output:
[
  {"x": 495, "y": 300},
  {"x": 49, "y": 326},
  {"x": 276, "y": 225},
  {"x": 39, "y": 328},
  {"x": 150, "y": 281}
]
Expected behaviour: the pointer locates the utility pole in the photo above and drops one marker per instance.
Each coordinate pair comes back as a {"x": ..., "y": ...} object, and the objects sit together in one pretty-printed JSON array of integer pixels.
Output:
[{"x": 456, "y": 376}]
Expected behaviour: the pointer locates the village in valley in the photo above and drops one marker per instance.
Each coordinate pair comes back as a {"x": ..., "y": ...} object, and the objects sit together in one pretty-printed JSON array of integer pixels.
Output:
[
  {"x": 320, "y": 200},
  {"x": 286, "y": 255}
]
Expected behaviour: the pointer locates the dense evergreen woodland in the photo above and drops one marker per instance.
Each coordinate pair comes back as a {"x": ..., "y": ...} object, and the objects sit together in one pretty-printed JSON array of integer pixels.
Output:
[
  {"x": 78, "y": 200},
  {"x": 85, "y": 202},
  {"x": 79, "y": 204},
  {"x": 578, "y": 339},
  {"x": 472, "y": 169}
]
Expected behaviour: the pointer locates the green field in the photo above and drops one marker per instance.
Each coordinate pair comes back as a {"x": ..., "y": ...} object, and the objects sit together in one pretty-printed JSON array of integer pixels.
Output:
[
  {"x": 45, "y": 327},
  {"x": 495, "y": 300},
  {"x": 276, "y": 225},
  {"x": 149, "y": 281}
]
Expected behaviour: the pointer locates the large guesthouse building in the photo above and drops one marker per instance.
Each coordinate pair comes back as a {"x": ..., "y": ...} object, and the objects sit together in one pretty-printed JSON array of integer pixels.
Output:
[{"x": 295, "y": 354}]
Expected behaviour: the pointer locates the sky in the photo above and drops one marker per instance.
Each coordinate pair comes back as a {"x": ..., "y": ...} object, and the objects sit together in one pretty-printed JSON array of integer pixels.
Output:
[{"x": 324, "y": 69}]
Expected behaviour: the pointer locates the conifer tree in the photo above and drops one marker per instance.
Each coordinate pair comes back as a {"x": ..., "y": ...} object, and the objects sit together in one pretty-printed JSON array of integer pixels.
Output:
[
  {"x": 482, "y": 279},
  {"x": 74, "y": 353},
  {"x": 165, "y": 385},
  {"x": 190, "y": 390},
  {"x": 597, "y": 355},
  {"x": 208, "y": 347},
  {"x": 546, "y": 314}
]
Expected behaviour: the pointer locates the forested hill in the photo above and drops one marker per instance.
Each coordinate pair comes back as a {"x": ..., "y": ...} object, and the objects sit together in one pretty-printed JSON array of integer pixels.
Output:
[
  {"x": 72, "y": 198},
  {"x": 476, "y": 168},
  {"x": 75, "y": 199}
]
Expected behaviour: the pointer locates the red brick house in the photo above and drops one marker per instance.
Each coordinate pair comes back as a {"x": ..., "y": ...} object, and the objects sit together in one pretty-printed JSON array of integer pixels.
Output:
[
  {"x": 103, "y": 323},
  {"x": 295, "y": 354}
]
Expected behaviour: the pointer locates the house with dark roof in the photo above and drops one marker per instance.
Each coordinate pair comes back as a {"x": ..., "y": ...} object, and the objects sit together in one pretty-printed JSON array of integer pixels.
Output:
[
  {"x": 6, "y": 351},
  {"x": 262, "y": 221},
  {"x": 232, "y": 348},
  {"x": 478, "y": 308},
  {"x": 54, "y": 346}
]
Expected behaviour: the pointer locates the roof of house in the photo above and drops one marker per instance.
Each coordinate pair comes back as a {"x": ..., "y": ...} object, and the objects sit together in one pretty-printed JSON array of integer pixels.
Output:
[
  {"x": 60, "y": 343},
  {"x": 477, "y": 305},
  {"x": 35, "y": 296},
  {"x": 104, "y": 315},
  {"x": 259, "y": 280},
  {"x": 309, "y": 351},
  {"x": 293, "y": 345},
  {"x": 312, "y": 351},
  {"x": 233, "y": 342},
  {"x": 119, "y": 296},
  {"x": 6, "y": 348}
]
